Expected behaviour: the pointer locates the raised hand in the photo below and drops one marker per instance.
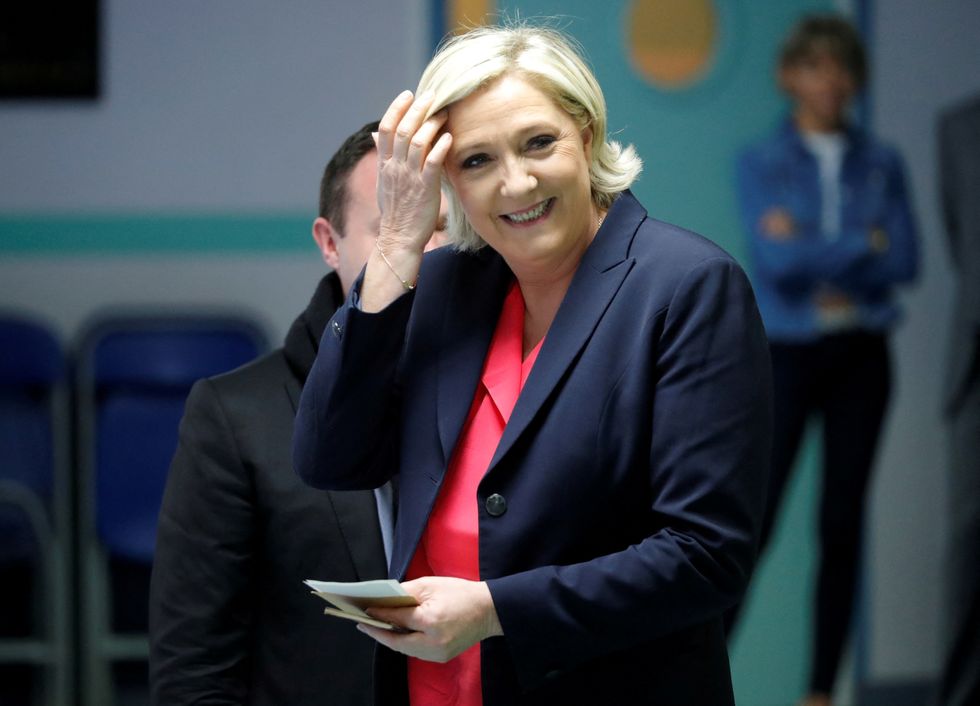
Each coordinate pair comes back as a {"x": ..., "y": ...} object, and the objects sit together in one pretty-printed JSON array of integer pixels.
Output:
[{"x": 409, "y": 179}]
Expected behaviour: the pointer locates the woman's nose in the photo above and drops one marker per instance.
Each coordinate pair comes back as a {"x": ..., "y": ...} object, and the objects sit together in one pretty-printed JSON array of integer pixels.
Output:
[{"x": 517, "y": 180}]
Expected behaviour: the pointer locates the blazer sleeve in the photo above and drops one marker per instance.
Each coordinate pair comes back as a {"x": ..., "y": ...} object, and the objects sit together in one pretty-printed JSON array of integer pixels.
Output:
[
  {"x": 200, "y": 596},
  {"x": 354, "y": 398},
  {"x": 707, "y": 471}
]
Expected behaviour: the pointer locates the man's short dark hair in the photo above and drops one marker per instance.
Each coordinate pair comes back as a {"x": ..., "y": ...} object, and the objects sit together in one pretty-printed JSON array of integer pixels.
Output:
[
  {"x": 333, "y": 185},
  {"x": 826, "y": 33}
]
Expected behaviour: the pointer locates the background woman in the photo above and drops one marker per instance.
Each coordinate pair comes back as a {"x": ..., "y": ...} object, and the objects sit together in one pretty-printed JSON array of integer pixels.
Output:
[
  {"x": 831, "y": 234},
  {"x": 575, "y": 398}
]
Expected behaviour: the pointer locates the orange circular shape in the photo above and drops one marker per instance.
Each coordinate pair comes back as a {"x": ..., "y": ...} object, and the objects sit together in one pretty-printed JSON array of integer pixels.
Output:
[
  {"x": 672, "y": 43},
  {"x": 463, "y": 15}
]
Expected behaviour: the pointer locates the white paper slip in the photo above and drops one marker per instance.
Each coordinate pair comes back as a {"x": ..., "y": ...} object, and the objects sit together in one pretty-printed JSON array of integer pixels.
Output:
[
  {"x": 380, "y": 588},
  {"x": 350, "y": 600}
]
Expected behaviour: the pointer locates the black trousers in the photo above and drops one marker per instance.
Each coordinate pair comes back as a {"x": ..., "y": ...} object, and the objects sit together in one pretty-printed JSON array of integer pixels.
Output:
[{"x": 843, "y": 380}]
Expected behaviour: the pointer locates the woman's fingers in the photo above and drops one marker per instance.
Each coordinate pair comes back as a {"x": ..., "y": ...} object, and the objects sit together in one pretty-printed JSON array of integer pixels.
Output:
[
  {"x": 421, "y": 142},
  {"x": 389, "y": 123},
  {"x": 453, "y": 614},
  {"x": 436, "y": 158},
  {"x": 409, "y": 125},
  {"x": 402, "y": 617},
  {"x": 406, "y": 136}
]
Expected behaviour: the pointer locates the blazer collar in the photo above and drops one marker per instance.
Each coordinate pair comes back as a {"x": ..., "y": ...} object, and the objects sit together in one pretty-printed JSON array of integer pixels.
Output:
[
  {"x": 597, "y": 280},
  {"x": 479, "y": 286}
]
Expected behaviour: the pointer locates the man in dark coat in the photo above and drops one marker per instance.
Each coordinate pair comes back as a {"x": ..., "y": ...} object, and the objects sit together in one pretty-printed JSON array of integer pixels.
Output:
[{"x": 230, "y": 620}]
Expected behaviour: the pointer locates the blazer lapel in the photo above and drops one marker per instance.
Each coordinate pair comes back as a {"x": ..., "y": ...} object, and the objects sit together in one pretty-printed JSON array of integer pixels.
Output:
[
  {"x": 599, "y": 276},
  {"x": 470, "y": 316}
]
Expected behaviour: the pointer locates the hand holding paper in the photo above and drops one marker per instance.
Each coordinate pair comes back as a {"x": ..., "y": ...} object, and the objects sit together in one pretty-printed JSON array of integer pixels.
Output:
[
  {"x": 452, "y": 615},
  {"x": 351, "y": 600}
]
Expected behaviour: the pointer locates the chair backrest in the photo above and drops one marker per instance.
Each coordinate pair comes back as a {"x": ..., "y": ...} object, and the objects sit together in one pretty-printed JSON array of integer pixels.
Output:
[
  {"x": 134, "y": 375},
  {"x": 32, "y": 366}
]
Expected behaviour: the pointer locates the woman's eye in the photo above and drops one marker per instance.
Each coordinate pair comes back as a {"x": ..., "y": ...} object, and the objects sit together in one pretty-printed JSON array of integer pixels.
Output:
[
  {"x": 540, "y": 142},
  {"x": 475, "y": 160}
]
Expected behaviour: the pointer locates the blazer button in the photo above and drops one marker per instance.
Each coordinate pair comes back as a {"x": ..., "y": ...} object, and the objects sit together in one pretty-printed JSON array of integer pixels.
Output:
[
  {"x": 496, "y": 505},
  {"x": 337, "y": 329}
]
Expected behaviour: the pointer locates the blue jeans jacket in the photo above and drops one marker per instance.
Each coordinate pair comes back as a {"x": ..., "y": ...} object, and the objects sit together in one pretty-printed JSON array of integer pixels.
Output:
[{"x": 788, "y": 274}]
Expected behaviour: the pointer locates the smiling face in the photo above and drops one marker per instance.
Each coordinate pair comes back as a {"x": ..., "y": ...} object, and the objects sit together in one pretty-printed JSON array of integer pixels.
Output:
[{"x": 520, "y": 167}]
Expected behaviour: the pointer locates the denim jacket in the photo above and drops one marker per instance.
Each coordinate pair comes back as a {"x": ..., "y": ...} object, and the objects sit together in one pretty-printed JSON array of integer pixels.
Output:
[{"x": 780, "y": 172}]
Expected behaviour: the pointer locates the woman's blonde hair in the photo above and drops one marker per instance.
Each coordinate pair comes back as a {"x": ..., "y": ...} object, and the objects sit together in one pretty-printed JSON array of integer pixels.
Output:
[{"x": 549, "y": 60}]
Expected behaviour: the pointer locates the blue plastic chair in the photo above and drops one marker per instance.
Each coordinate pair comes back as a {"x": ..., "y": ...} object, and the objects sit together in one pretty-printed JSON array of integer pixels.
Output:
[
  {"x": 34, "y": 511},
  {"x": 134, "y": 374}
]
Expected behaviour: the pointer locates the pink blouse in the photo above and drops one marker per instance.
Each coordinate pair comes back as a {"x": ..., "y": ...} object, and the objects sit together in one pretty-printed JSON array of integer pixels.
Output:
[{"x": 450, "y": 543}]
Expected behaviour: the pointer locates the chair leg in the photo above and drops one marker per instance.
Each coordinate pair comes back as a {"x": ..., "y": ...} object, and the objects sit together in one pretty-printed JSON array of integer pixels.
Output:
[
  {"x": 97, "y": 680},
  {"x": 57, "y": 686}
]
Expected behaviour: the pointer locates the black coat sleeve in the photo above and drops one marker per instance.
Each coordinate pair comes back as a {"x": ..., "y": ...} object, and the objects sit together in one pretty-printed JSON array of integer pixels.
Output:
[{"x": 200, "y": 602}]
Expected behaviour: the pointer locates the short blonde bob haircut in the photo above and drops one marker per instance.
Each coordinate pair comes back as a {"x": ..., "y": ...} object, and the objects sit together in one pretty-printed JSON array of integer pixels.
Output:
[{"x": 549, "y": 60}]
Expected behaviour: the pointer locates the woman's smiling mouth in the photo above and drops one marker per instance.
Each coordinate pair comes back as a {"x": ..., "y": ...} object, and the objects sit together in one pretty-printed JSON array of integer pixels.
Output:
[{"x": 530, "y": 215}]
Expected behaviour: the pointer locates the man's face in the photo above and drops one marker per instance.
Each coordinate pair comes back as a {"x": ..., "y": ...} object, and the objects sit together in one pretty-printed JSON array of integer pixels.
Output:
[
  {"x": 347, "y": 252},
  {"x": 353, "y": 247}
]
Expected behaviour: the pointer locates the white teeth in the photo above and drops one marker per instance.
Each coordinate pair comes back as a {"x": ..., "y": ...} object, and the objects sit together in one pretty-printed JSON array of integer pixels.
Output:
[{"x": 529, "y": 215}]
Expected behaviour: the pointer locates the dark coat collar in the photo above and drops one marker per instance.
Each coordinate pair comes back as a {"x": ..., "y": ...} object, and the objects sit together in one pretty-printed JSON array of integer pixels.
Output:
[{"x": 303, "y": 338}]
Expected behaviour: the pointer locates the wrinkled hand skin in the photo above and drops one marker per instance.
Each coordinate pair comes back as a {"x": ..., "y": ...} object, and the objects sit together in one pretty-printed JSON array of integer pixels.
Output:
[
  {"x": 411, "y": 153},
  {"x": 409, "y": 172},
  {"x": 453, "y": 615}
]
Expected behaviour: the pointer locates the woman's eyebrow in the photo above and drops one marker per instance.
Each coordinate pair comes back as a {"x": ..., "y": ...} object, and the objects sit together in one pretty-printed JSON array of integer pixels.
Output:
[{"x": 461, "y": 145}]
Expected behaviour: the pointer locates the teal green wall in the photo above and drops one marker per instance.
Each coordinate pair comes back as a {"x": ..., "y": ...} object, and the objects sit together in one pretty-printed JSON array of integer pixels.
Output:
[
  {"x": 66, "y": 234},
  {"x": 687, "y": 139},
  {"x": 771, "y": 648}
]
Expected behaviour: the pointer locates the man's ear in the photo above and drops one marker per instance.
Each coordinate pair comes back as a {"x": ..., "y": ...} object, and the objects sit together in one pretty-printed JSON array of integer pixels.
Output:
[{"x": 326, "y": 237}]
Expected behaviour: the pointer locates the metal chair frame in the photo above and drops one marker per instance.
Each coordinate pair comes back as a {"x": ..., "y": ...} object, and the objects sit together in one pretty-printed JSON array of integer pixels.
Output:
[
  {"x": 101, "y": 646},
  {"x": 50, "y": 646}
]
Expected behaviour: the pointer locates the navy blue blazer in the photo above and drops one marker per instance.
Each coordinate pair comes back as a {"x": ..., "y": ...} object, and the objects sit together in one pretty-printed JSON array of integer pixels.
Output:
[{"x": 619, "y": 516}]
